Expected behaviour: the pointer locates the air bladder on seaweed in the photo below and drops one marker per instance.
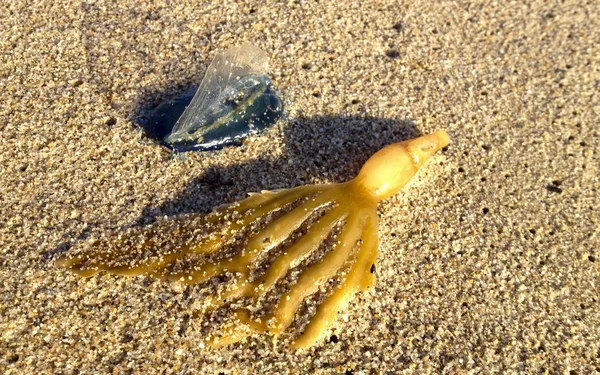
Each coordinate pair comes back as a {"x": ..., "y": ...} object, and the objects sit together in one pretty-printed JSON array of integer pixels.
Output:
[{"x": 290, "y": 224}]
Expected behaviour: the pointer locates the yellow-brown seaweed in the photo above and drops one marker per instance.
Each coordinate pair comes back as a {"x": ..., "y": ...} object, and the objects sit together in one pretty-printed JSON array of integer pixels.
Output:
[{"x": 347, "y": 212}]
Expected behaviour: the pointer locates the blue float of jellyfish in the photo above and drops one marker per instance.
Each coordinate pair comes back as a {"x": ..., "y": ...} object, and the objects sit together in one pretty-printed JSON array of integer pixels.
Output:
[{"x": 234, "y": 100}]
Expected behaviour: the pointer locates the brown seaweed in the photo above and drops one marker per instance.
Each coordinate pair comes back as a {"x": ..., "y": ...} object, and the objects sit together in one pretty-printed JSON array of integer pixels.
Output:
[{"x": 195, "y": 248}]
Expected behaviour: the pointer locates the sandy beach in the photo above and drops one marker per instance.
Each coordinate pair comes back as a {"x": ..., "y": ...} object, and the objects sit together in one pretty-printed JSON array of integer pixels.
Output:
[{"x": 489, "y": 259}]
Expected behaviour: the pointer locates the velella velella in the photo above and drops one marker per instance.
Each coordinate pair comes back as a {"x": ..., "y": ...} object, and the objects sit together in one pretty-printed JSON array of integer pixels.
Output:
[{"x": 235, "y": 99}]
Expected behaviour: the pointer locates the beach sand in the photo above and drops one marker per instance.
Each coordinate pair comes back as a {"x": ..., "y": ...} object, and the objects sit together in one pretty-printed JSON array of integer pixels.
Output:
[{"x": 488, "y": 260}]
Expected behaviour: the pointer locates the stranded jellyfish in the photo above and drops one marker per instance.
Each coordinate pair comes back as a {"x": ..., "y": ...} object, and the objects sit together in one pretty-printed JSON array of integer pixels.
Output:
[{"x": 234, "y": 100}]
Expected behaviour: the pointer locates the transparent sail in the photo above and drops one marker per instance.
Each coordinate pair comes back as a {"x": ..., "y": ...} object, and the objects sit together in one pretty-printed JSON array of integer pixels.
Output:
[{"x": 235, "y": 99}]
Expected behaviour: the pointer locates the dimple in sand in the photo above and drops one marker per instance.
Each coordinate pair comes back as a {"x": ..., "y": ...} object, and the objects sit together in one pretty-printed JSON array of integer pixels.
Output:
[{"x": 171, "y": 249}]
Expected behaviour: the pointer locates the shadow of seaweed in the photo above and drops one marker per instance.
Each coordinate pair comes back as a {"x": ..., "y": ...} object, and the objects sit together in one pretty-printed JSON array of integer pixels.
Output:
[{"x": 337, "y": 149}]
